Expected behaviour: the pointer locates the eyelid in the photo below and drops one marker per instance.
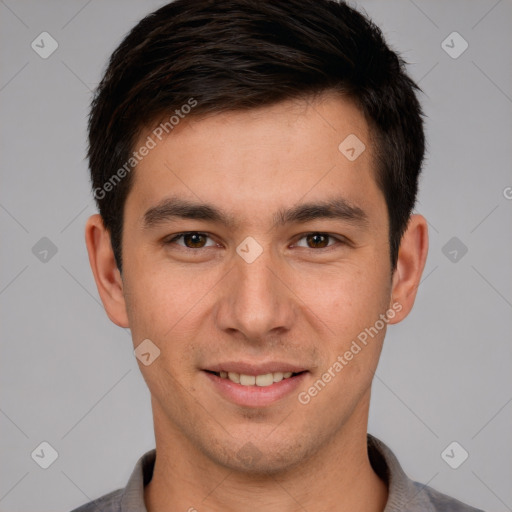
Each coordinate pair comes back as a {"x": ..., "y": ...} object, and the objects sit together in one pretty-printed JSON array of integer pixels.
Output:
[
  {"x": 339, "y": 239},
  {"x": 177, "y": 236}
]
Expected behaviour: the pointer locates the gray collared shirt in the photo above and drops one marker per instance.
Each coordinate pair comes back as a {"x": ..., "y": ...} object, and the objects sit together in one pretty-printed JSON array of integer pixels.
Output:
[{"x": 404, "y": 493}]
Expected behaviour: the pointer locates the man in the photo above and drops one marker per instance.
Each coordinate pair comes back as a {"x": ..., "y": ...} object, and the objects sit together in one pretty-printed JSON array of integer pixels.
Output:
[{"x": 255, "y": 164}]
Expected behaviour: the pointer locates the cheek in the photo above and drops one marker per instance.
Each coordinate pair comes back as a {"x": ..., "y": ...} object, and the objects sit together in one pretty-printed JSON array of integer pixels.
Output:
[
  {"x": 167, "y": 303},
  {"x": 350, "y": 305},
  {"x": 347, "y": 299},
  {"x": 155, "y": 298},
  {"x": 165, "y": 308}
]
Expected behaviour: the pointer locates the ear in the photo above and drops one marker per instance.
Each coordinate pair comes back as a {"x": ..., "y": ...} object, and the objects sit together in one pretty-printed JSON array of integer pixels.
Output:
[
  {"x": 106, "y": 274},
  {"x": 412, "y": 256}
]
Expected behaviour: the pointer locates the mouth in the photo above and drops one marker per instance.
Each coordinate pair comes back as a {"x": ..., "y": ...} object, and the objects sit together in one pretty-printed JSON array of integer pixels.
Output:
[
  {"x": 262, "y": 380},
  {"x": 255, "y": 386}
]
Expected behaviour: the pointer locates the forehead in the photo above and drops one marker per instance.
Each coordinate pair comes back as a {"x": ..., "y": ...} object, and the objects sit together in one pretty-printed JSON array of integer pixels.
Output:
[{"x": 248, "y": 161}]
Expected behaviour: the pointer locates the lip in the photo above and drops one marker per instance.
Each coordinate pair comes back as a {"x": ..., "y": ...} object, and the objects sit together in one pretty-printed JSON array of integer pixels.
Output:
[
  {"x": 255, "y": 369},
  {"x": 255, "y": 396}
]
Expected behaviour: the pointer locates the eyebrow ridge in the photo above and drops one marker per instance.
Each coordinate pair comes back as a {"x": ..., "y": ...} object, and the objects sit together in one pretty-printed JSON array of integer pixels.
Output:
[
  {"x": 336, "y": 208},
  {"x": 176, "y": 207}
]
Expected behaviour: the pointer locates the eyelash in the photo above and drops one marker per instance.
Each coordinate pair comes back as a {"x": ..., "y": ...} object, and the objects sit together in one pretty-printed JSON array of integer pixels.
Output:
[{"x": 339, "y": 241}]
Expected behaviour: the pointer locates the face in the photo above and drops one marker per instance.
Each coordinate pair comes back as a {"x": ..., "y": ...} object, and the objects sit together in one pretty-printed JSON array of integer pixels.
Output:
[{"x": 234, "y": 262}]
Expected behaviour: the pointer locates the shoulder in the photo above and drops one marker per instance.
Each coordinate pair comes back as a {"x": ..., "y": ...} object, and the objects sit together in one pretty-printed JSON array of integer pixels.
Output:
[
  {"x": 110, "y": 502},
  {"x": 130, "y": 497},
  {"x": 404, "y": 493},
  {"x": 433, "y": 500}
]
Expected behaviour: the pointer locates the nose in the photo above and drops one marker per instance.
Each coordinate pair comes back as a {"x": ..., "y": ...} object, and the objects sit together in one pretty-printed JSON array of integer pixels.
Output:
[{"x": 256, "y": 302}]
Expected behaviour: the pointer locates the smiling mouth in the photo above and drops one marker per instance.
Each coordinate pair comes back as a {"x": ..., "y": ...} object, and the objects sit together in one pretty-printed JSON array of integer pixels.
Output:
[{"x": 264, "y": 380}]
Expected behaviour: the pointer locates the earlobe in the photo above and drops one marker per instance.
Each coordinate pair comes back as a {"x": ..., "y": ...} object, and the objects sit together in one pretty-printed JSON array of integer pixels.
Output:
[
  {"x": 411, "y": 262},
  {"x": 104, "y": 267}
]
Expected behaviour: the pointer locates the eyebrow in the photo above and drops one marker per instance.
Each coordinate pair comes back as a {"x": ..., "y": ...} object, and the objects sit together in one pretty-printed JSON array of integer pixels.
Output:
[{"x": 174, "y": 207}]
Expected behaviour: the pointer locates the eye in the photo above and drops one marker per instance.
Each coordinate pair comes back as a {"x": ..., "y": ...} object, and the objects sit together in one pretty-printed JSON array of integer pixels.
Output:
[
  {"x": 191, "y": 240},
  {"x": 318, "y": 240}
]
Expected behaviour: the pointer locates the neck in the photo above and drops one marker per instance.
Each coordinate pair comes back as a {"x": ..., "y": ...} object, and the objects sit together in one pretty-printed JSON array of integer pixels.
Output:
[{"x": 338, "y": 477}]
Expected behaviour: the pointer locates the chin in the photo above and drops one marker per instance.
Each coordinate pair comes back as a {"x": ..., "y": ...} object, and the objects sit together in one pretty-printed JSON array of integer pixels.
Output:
[{"x": 260, "y": 458}]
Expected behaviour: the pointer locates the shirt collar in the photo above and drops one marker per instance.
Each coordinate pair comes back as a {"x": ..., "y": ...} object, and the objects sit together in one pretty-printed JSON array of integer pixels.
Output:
[
  {"x": 132, "y": 499},
  {"x": 403, "y": 493}
]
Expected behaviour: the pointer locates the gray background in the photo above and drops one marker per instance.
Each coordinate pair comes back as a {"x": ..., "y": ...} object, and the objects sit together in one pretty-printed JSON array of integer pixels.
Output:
[{"x": 68, "y": 375}]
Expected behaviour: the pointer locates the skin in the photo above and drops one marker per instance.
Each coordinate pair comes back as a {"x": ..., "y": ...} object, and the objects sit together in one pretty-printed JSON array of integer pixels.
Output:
[{"x": 299, "y": 302}]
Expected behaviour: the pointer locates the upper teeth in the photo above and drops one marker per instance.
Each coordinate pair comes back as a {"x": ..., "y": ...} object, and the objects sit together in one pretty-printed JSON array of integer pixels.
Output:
[{"x": 259, "y": 380}]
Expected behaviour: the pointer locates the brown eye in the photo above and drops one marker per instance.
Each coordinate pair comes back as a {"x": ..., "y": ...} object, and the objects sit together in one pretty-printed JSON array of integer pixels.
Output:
[
  {"x": 192, "y": 240},
  {"x": 317, "y": 240}
]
